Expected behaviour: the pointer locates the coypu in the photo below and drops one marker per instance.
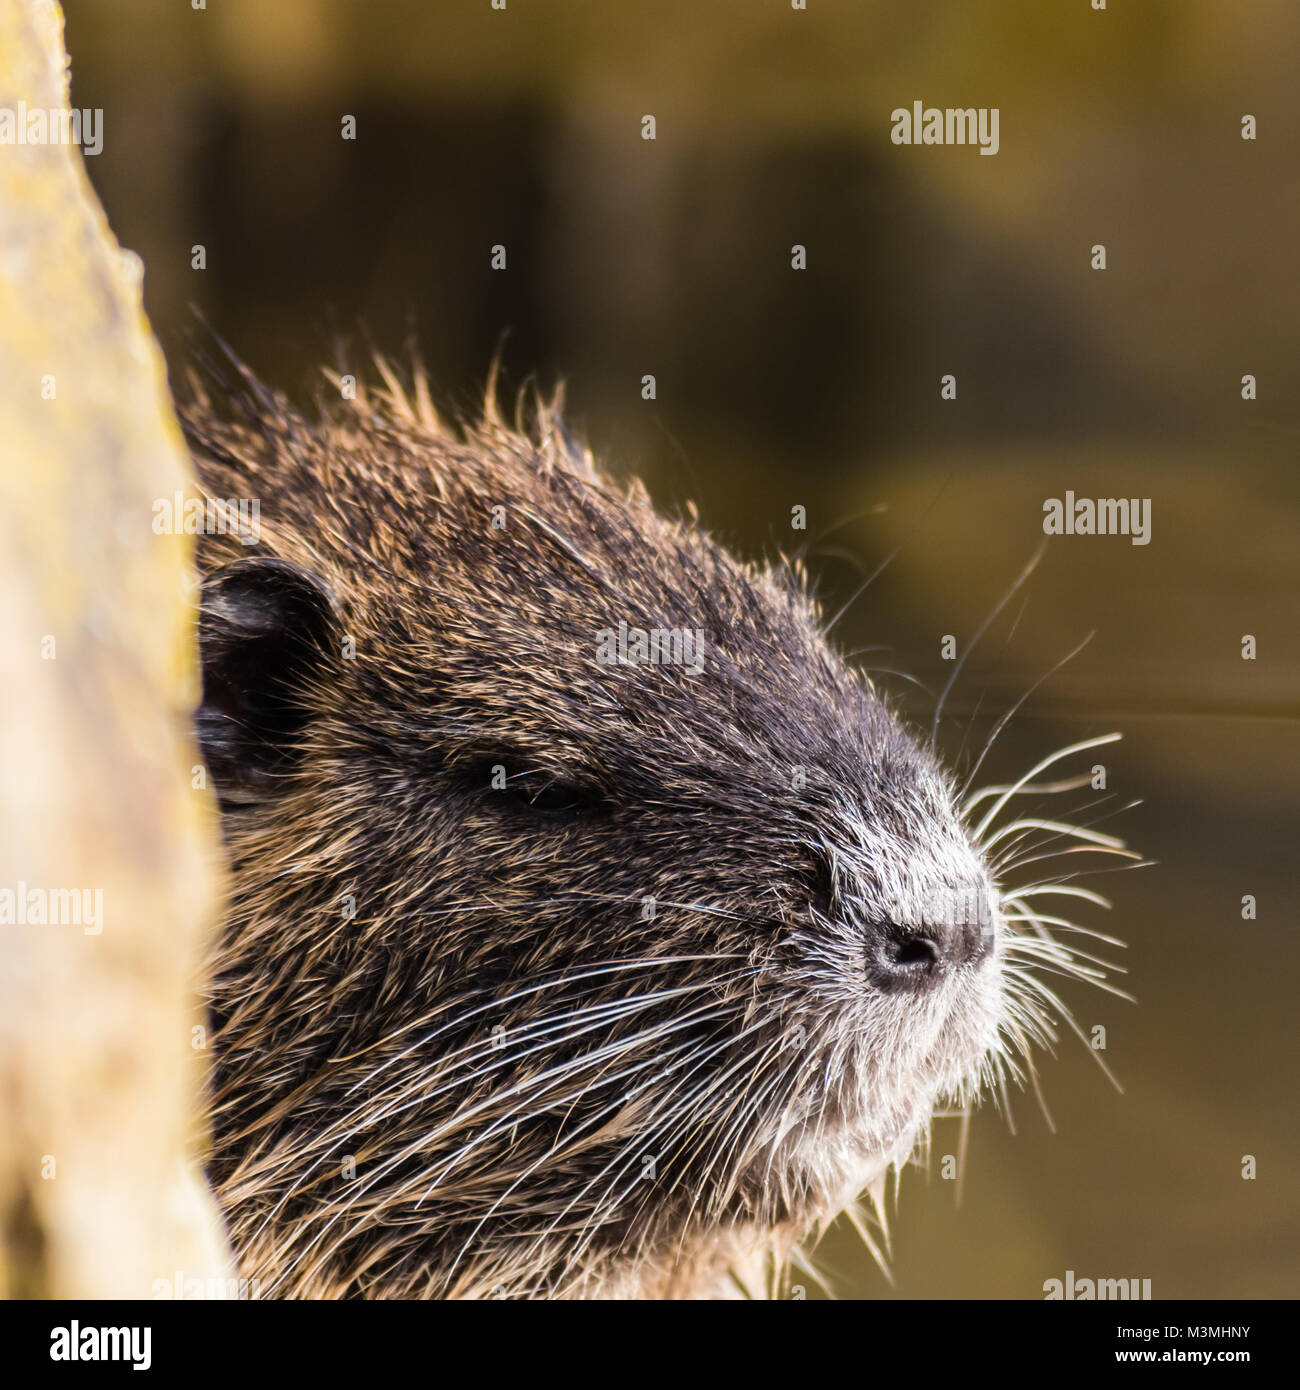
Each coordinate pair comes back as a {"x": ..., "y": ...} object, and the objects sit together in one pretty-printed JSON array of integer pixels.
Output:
[{"x": 546, "y": 973}]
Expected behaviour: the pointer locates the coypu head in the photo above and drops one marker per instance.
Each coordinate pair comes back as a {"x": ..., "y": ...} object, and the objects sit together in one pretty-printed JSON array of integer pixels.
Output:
[{"x": 594, "y": 927}]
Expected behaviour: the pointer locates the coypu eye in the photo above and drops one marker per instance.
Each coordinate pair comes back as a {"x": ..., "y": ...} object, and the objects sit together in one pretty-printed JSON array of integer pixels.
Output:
[
  {"x": 531, "y": 791},
  {"x": 539, "y": 792}
]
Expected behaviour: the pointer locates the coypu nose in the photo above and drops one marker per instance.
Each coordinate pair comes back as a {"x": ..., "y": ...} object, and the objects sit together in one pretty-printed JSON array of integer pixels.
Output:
[{"x": 902, "y": 957}]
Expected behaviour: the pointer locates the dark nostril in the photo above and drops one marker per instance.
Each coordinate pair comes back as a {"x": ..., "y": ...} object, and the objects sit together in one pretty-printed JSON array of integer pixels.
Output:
[
  {"x": 914, "y": 957},
  {"x": 901, "y": 959},
  {"x": 913, "y": 952}
]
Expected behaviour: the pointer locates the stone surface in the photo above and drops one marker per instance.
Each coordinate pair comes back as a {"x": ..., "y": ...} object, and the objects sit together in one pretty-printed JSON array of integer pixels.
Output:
[{"x": 100, "y": 1081}]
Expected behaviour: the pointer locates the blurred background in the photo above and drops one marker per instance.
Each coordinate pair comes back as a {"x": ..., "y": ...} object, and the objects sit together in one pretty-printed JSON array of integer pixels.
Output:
[{"x": 820, "y": 389}]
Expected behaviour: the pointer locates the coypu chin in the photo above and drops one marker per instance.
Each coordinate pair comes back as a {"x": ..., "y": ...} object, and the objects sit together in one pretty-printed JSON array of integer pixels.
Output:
[{"x": 545, "y": 975}]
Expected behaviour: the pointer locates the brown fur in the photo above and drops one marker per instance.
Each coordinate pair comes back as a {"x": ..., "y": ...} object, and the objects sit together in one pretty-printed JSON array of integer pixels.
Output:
[{"x": 674, "y": 1098}]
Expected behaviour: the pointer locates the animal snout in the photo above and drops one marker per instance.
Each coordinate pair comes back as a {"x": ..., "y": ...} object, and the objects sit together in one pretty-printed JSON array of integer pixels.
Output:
[{"x": 906, "y": 956}]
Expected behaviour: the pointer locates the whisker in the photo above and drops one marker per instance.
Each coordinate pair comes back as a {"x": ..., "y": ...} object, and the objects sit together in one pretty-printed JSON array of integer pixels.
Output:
[
  {"x": 1011, "y": 713},
  {"x": 980, "y": 631},
  {"x": 1050, "y": 761}
]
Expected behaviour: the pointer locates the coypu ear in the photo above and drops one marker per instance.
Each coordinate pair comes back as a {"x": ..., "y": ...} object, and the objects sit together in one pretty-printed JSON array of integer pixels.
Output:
[{"x": 264, "y": 630}]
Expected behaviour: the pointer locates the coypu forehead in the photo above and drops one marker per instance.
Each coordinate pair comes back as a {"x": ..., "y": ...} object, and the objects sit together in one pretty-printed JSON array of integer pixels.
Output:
[{"x": 504, "y": 585}]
